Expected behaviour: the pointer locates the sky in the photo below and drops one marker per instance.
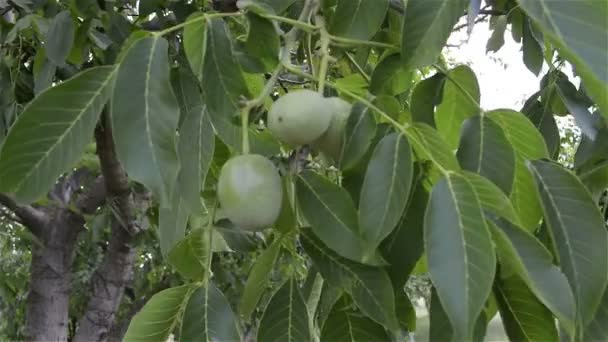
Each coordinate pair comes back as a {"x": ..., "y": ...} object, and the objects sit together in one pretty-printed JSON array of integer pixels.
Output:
[{"x": 504, "y": 80}]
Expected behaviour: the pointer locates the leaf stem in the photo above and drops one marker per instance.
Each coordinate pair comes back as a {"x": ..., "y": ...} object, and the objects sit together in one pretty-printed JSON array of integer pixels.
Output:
[
  {"x": 245, "y": 128},
  {"x": 296, "y": 23},
  {"x": 325, "y": 40},
  {"x": 348, "y": 41}
]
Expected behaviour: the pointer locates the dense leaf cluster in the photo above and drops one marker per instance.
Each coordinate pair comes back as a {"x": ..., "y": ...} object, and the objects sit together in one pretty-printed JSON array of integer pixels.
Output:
[{"x": 423, "y": 177}]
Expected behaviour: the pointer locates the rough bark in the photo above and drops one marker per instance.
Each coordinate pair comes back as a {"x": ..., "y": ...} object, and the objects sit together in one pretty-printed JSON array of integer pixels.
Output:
[
  {"x": 51, "y": 276},
  {"x": 116, "y": 270}
]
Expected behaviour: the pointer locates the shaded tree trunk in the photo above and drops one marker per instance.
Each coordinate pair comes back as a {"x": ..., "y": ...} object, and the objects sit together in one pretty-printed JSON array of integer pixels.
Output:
[{"x": 48, "y": 299}]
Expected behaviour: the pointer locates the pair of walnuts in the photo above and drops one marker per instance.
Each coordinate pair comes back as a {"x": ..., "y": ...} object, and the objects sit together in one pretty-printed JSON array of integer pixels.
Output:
[{"x": 249, "y": 187}]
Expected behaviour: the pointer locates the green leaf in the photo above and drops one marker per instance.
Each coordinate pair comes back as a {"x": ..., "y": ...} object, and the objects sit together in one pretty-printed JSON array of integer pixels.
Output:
[
  {"x": 533, "y": 52},
  {"x": 543, "y": 120},
  {"x": 492, "y": 199},
  {"x": 60, "y": 38},
  {"x": 459, "y": 251},
  {"x": 196, "y": 142},
  {"x": 190, "y": 256},
  {"x": 208, "y": 317},
  {"x": 358, "y": 19},
  {"x": 144, "y": 102},
  {"x": 262, "y": 43},
  {"x": 370, "y": 287},
  {"x": 460, "y": 101},
  {"x": 345, "y": 325},
  {"x": 528, "y": 145},
  {"x": 331, "y": 213},
  {"x": 580, "y": 30},
  {"x": 429, "y": 145},
  {"x": 286, "y": 316},
  {"x": 329, "y": 297},
  {"x": 385, "y": 190},
  {"x": 195, "y": 34},
  {"x": 44, "y": 72},
  {"x": 485, "y": 150},
  {"x": 440, "y": 328},
  {"x": 578, "y": 231},
  {"x": 425, "y": 96},
  {"x": 597, "y": 330},
  {"x": 390, "y": 77},
  {"x": 224, "y": 83},
  {"x": 257, "y": 281},
  {"x": 426, "y": 28},
  {"x": 497, "y": 39},
  {"x": 51, "y": 133},
  {"x": 157, "y": 319},
  {"x": 523, "y": 316},
  {"x": 172, "y": 221},
  {"x": 403, "y": 248},
  {"x": 406, "y": 313},
  {"x": 358, "y": 135},
  {"x": 521, "y": 252}
]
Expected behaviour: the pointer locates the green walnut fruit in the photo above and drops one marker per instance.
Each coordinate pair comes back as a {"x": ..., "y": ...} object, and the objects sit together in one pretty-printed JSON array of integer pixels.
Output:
[
  {"x": 299, "y": 117},
  {"x": 331, "y": 141},
  {"x": 250, "y": 191}
]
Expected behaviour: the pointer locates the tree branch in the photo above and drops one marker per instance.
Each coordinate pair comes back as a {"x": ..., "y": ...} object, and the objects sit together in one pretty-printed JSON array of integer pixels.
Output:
[
  {"x": 108, "y": 282},
  {"x": 32, "y": 218},
  {"x": 93, "y": 198}
]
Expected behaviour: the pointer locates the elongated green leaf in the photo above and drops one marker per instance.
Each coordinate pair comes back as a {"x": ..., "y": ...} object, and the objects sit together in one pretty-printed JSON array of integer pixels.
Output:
[
  {"x": 425, "y": 96},
  {"x": 497, "y": 40},
  {"x": 196, "y": 142},
  {"x": 190, "y": 256},
  {"x": 543, "y": 119},
  {"x": 440, "y": 328},
  {"x": 577, "y": 229},
  {"x": 403, "y": 248},
  {"x": 521, "y": 252},
  {"x": 208, "y": 317},
  {"x": 223, "y": 82},
  {"x": 157, "y": 319},
  {"x": 329, "y": 297},
  {"x": 262, "y": 43},
  {"x": 491, "y": 197},
  {"x": 144, "y": 102},
  {"x": 370, "y": 287},
  {"x": 344, "y": 325},
  {"x": 485, "y": 150},
  {"x": 172, "y": 221},
  {"x": 286, "y": 316},
  {"x": 385, "y": 190},
  {"x": 429, "y": 145},
  {"x": 459, "y": 251},
  {"x": 358, "y": 19},
  {"x": 426, "y": 28},
  {"x": 460, "y": 101},
  {"x": 390, "y": 77},
  {"x": 258, "y": 279},
  {"x": 533, "y": 52},
  {"x": 580, "y": 30},
  {"x": 523, "y": 316},
  {"x": 358, "y": 135},
  {"x": 528, "y": 145},
  {"x": 60, "y": 38},
  {"x": 195, "y": 34},
  {"x": 51, "y": 133},
  {"x": 597, "y": 330},
  {"x": 331, "y": 212}
]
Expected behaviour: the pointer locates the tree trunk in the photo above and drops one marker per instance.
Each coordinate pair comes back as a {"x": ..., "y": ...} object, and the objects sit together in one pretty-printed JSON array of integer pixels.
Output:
[
  {"x": 48, "y": 299},
  {"x": 107, "y": 287}
]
